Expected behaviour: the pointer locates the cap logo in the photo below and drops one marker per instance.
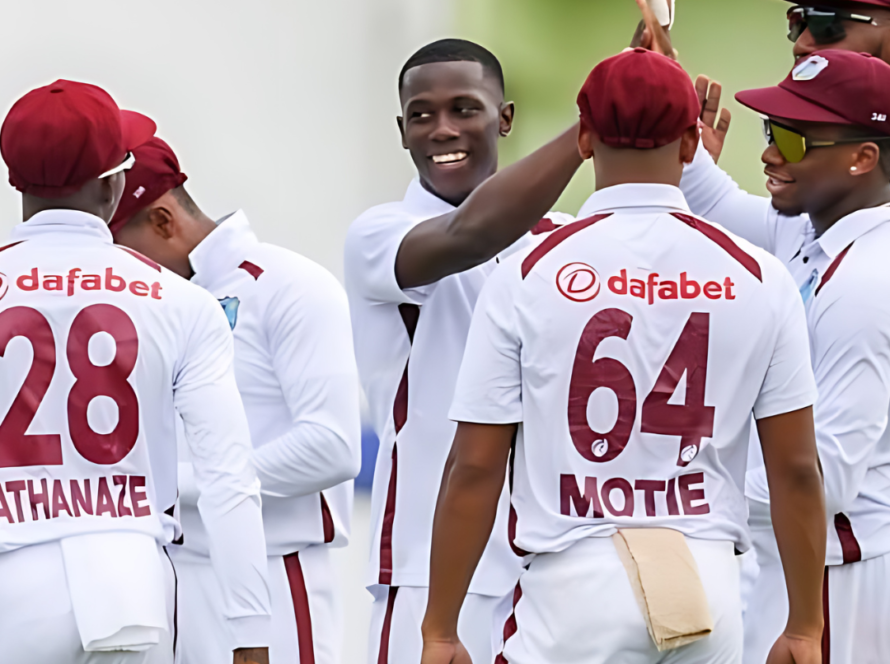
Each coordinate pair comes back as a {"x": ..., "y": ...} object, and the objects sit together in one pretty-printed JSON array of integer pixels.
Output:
[
  {"x": 809, "y": 68},
  {"x": 139, "y": 192}
]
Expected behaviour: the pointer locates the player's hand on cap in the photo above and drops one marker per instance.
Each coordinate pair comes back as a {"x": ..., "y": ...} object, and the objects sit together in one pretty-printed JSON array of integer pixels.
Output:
[
  {"x": 651, "y": 35},
  {"x": 713, "y": 125},
  {"x": 251, "y": 656},
  {"x": 796, "y": 650},
  {"x": 444, "y": 652}
]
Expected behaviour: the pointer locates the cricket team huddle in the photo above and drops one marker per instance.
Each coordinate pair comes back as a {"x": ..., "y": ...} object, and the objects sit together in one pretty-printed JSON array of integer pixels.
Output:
[{"x": 654, "y": 431}]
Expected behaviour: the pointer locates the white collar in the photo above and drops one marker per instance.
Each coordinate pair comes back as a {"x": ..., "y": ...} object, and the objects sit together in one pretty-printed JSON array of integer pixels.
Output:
[
  {"x": 852, "y": 227},
  {"x": 223, "y": 250},
  {"x": 634, "y": 196},
  {"x": 62, "y": 221},
  {"x": 423, "y": 202}
]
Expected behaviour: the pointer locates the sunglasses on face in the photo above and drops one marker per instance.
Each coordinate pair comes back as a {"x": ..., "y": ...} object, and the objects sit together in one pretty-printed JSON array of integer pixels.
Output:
[
  {"x": 825, "y": 24},
  {"x": 794, "y": 145}
]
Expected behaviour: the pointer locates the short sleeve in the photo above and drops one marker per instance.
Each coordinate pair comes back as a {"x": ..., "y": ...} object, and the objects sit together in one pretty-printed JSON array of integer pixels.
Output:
[
  {"x": 789, "y": 384},
  {"x": 489, "y": 386},
  {"x": 372, "y": 244}
]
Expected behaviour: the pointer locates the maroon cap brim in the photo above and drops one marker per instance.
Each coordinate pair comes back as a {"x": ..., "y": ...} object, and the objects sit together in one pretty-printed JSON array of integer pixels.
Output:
[
  {"x": 835, "y": 3},
  {"x": 778, "y": 102},
  {"x": 137, "y": 129}
]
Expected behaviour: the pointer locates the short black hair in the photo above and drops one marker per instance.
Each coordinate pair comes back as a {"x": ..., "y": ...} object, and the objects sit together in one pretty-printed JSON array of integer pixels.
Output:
[{"x": 454, "y": 50}]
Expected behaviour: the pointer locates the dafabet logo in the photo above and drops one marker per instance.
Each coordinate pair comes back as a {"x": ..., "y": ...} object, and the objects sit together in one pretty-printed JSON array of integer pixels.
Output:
[{"x": 579, "y": 282}]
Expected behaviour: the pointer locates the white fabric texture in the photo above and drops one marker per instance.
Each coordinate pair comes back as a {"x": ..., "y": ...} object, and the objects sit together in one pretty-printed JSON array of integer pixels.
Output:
[
  {"x": 480, "y": 625},
  {"x": 42, "y": 627},
  {"x": 205, "y": 637},
  {"x": 383, "y": 347},
  {"x": 296, "y": 373},
  {"x": 745, "y": 346},
  {"x": 170, "y": 342},
  {"x": 577, "y": 607}
]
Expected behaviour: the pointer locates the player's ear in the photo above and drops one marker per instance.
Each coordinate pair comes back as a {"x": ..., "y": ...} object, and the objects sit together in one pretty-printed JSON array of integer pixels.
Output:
[
  {"x": 162, "y": 222},
  {"x": 400, "y": 121},
  {"x": 689, "y": 145},
  {"x": 587, "y": 139},
  {"x": 866, "y": 159},
  {"x": 508, "y": 112}
]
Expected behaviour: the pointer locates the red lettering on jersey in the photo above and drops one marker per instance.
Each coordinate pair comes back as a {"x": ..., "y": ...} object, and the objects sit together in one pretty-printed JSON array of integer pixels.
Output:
[
  {"x": 638, "y": 288},
  {"x": 673, "y": 508},
  {"x": 41, "y": 498},
  {"x": 139, "y": 288},
  {"x": 91, "y": 282},
  {"x": 649, "y": 489},
  {"x": 104, "y": 501},
  {"x": 137, "y": 497},
  {"x": 16, "y": 488},
  {"x": 688, "y": 494},
  {"x": 4, "y": 507},
  {"x": 713, "y": 290},
  {"x": 72, "y": 277},
  {"x": 655, "y": 288},
  {"x": 59, "y": 501},
  {"x": 156, "y": 291},
  {"x": 570, "y": 495},
  {"x": 689, "y": 288},
  {"x": 618, "y": 285},
  {"x": 576, "y": 503},
  {"x": 121, "y": 481},
  {"x": 668, "y": 290},
  {"x": 114, "y": 282},
  {"x": 620, "y": 484},
  {"x": 28, "y": 282},
  {"x": 80, "y": 498},
  {"x": 52, "y": 282},
  {"x": 728, "y": 285}
]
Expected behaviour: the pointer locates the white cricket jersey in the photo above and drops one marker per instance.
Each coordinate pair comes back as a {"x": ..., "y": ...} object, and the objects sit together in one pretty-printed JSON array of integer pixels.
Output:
[
  {"x": 409, "y": 344},
  {"x": 849, "y": 331},
  {"x": 101, "y": 349},
  {"x": 633, "y": 346},
  {"x": 295, "y": 368}
]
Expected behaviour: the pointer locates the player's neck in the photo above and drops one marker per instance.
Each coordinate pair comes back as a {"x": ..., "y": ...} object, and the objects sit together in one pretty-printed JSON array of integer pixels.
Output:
[
  {"x": 855, "y": 200},
  {"x": 625, "y": 166}
]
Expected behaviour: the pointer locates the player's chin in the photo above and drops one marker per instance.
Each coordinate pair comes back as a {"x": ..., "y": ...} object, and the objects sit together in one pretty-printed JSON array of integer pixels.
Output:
[
  {"x": 787, "y": 203},
  {"x": 453, "y": 185}
]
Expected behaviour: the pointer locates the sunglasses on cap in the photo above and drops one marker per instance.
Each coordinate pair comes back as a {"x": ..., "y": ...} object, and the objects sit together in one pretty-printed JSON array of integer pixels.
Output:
[
  {"x": 794, "y": 145},
  {"x": 125, "y": 165},
  {"x": 825, "y": 24}
]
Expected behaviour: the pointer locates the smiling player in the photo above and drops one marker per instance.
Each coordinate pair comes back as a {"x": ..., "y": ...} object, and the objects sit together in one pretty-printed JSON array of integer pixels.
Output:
[
  {"x": 616, "y": 367},
  {"x": 296, "y": 374},
  {"x": 414, "y": 269}
]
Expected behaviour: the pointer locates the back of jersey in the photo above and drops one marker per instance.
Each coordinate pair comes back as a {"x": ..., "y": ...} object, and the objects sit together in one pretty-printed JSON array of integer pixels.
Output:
[
  {"x": 92, "y": 339},
  {"x": 633, "y": 347}
]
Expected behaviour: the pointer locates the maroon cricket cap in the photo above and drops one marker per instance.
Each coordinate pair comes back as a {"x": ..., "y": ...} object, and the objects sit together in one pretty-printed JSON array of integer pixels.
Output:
[
  {"x": 834, "y": 87},
  {"x": 639, "y": 99},
  {"x": 155, "y": 172},
  {"x": 840, "y": 3},
  {"x": 57, "y": 138}
]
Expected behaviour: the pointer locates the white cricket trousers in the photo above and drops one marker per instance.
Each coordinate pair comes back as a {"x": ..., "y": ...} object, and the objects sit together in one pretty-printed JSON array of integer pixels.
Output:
[
  {"x": 37, "y": 624},
  {"x": 578, "y": 607},
  {"x": 397, "y": 614},
  {"x": 306, "y": 616}
]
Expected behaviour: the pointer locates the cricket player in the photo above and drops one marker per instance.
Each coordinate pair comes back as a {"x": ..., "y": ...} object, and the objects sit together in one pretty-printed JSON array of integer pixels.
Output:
[
  {"x": 827, "y": 173},
  {"x": 102, "y": 350},
  {"x": 615, "y": 368},
  {"x": 414, "y": 269},
  {"x": 295, "y": 369}
]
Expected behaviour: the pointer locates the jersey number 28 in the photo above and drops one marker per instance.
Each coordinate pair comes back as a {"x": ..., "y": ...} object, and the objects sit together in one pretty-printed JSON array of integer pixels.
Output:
[
  {"x": 691, "y": 421},
  {"x": 18, "y": 448}
]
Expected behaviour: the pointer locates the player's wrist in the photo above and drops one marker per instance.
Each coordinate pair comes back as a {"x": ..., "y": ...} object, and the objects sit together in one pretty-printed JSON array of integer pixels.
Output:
[
  {"x": 434, "y": 632},
  {"x": 804, "y": 631}
]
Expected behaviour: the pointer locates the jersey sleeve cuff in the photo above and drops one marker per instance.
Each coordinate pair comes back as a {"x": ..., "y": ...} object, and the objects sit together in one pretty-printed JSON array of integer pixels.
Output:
[
  {"x": 251, "y": 631},
  {"x": 786, "y": 405},
  {"x": 488, "y": 416}
]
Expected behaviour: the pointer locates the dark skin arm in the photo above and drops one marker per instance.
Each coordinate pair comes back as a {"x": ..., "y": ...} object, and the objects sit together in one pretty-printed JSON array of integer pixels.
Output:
[
  {"x": 797, "y": 502},
  {"x": 251, "y": 656},
  {"x": 496, "y": 214},
  {"x": 468, "y": 500}
]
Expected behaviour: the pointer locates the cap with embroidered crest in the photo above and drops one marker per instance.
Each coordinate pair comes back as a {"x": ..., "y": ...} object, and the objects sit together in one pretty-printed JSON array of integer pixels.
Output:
[
  {"x": 831, "y": 86},
  {"x": 155, "y": 172},
  {"x": 58, "y": 137}
]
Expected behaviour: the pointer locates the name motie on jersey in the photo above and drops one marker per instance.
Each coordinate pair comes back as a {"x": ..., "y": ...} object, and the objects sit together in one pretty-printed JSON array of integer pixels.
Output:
[{"x": 76, "y": 281}]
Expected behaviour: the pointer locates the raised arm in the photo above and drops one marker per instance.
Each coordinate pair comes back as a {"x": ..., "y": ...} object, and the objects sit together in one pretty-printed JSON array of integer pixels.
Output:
[
  {"x": 499, "y": 212},
  {"x": 311, "y": 344},
  {"x": 207, "y": 399}
]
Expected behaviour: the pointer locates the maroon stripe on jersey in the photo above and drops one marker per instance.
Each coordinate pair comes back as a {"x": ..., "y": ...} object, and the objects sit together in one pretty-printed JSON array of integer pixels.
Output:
[
  {"x": 849, "y": 543},
  {"x": 389, "y": 517},
  {"x": 383, "y": 653},
  {"x": 410, "y": 314},
  {"x": 513, "y": 518},
  {"x": 556, "y": 238},
  {"x": 300, "y": 597},
  {"x": 252, "y": 269},
  {"x": 327, "y": 521},
  {"x": 544, "y": 226},
  {"x": 724, "y": 242},
  {"x": 10, "y": 246},
  {"x": 510, "y": 626},
  {"x": 835, "y": 264},
  {"x": 826, "y": 615},
  {"x": 138, "y": 256}
]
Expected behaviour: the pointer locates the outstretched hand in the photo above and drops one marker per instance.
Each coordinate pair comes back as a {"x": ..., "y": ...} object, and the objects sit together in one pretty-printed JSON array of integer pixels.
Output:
[
  {"x": 444, "y": 652},
  {"x": 795, "y": 650},
  {"x": 651, "y": 35},
  {"x": 713, "y": 125}
]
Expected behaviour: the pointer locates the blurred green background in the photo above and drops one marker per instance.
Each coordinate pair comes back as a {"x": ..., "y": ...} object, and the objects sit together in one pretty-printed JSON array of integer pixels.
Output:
[{"x": 547, "y": 48}]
